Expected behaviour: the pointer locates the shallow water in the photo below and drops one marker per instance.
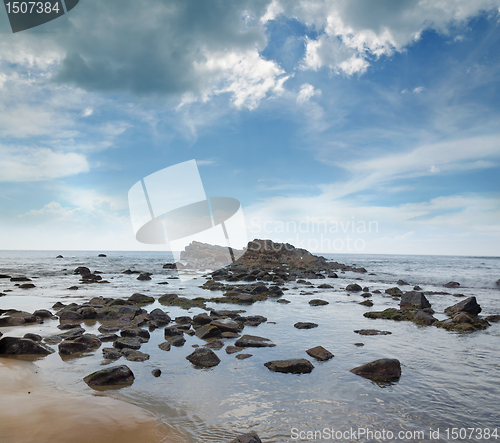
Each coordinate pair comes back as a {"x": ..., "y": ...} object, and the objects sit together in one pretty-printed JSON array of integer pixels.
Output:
[{"x": 448, "y": 381}]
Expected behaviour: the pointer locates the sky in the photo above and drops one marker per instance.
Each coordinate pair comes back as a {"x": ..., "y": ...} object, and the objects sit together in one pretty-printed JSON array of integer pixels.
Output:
[{"x": 346, "y": 126}]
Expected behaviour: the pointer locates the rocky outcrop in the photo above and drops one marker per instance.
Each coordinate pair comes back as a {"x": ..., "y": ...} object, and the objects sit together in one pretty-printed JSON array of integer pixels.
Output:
[
  {"x": 114, "y": 376},
  {"x": 386, "y": 369},
  {"x": 291, "y": 366}
]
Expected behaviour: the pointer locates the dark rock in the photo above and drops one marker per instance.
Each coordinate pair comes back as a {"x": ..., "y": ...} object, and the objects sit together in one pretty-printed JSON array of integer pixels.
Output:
[
  {"x": 5, "y": 276},
  {"x": 233, "y": 349},
  {"x": 243, "y": 356},
  {"x": 87, "y": 312},
  {"x": 27, "y": 286},
  {"x": 385, "y": 369},
  {"x": 102, "y": 255},
  {"x": 366, "y": 303},
  {"x": 127, "y": 342},
  {"x": 144, "y": 277},
  {"x": 160, "y": 317},
  {"x": 183, "y": 319},
  {"x": 132, "y": 355},
  {"x": 366, "y": 295},
  {"x": 394, "y": 292},
  {"x": 58, "y": 305},
  {"x": 107, "y": 337},
  {"x": 359, "y": 344},
  {"x": 170, "y": 331},
  {"x": 165, "y": 346},
  {"x": 452, "y": 284},
  {"x": 423, "y": 318},
  {"x": 318, "y": 302},
  {"x": 89, "y": 340},
  {"x": 305, "y": 325},
  {"x": 17, "y": 318},
  {"x": 203, "y": 357},
  {"x": 254, "y": 320},
  {"x": 320, "y": 353},
  {"x": 177, "y": 340},
  {"x": 325, "y": 286},
  {"x": 215, "y": 344},
  {"x": 365, "y": 289},
  {"x": 118, "y": 312},
  {"x": 402, "y": 283},
  {"x": 201, "y": 319},
  {"x": 252, "y": 341},
  {"x": 353, "y": 288},
  {"x": 413, "y": 300},
  {"x": 468, "y": 305},
  {"x": 229, "y": 335},
  {"x": 226, "y": 325},
  {"x": 333, "y": 275},
  {"x": 372, "y": 332},
  {"x": 34, "y": 337},
  {"x": 108, "y": 329},
  {"x": 208, "y": 331},
  {"x": 111, "y": 353},
  {"x": 23, "y": 346},
  {"x": 291, "y": 366},
  {"x": 156, "y": 372},
  {"x": 141, "y": 299},
  {"x": 43, "y": 313},
  {"x": 493, "y": 318},
  {"x": 115, "y": 376},
  {"x": 69, "y": 347},
  {"x": 417, "y": 288},
  {"x": 69, "y": 315},
  {"x": 20, "y": 279},
  {"x": 251, "y": 437},
  {"x": 82, "y": 270},
  {"x": 284, "y": 301}
]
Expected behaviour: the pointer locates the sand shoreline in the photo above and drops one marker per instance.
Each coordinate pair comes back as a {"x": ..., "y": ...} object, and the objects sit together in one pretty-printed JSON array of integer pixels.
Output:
[{"x": 33, "y": 412}]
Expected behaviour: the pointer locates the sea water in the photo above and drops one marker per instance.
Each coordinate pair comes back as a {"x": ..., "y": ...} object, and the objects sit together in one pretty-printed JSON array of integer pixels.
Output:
[{"x": 450, "y": 382}]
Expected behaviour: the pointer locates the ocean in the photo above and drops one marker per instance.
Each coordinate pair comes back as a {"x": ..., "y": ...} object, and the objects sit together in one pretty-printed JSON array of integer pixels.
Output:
[{"x": 450, "y": 384}]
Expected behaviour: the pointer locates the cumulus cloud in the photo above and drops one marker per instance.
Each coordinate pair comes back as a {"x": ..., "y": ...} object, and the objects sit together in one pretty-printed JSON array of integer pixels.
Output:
[{"x": 306, "y": 92}]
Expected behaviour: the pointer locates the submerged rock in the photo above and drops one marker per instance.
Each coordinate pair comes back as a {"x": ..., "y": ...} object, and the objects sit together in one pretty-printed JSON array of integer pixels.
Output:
[
  {"x": 291, "y": 366},
  {"x": 203, "y": 357},
  {"x": 320, "y": 353},
  {"x": 114, "y": 376},
  {"x": 385, "y": 369},
  {"x": 23, "y": 346},
  {"x": 372, "y": 332},
  {"x": 251, "y": 437},
  {"x": 243, "y": 356}
]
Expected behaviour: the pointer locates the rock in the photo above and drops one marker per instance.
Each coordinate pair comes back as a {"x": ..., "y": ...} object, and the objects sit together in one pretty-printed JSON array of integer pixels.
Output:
[
  {"x": 402, "y": 283},
  {"x": 82, "y": 270},
  {"x": 165, "y": 346},
  {"x": 69, "y": 315},
  {"x": 353, "y": 288},
  {"x": 254, "y": 320},
  {"x": 251, "y": 437},
  {"x": 318, "y": 302},
  {"x": 58, "y": 305},
  {"x": 126, "y": 342},
  {"x": 325, "y": 286},
  {"x": 468, "y": 305},
  {"x": 284, "y": 301},
  {"x": 43, "y": 313},
  {"x": 111, "y": 353},
  {"x": 171, "y": 331},
  {"x": 177, "y": 341},
  {"x": 119, "y": 312},
  {"x": 385, "y": 369},
  {"x": 114, "y": 376},
  {"x": 243, "y": 356},
  {"x": 102, "y": 255},
  {"x": 70, "y": 347},
  {"x": 23, "y": 346},
  {"x": 305, "y": 325},
  {"x": 5, "y": 276},
  {"x": 413, "y": 300},
  {"x": 160, "y": 317},
  {"x": 233, "y": 349},
  {"x": 89, "y": 340},
  {"x": 59, "y": 256},
  {"x": 19, "y": 279},
  {"x": 132, "y": 355},
  {"x": 107, "y": 337},
  {"x": 208, "y": 331},
  {"x": 320, "y": 353},
  {"x": 215, "y": 344},
  {"x": 493, "y": 318},
  {"x": 291, "y": 366},
  {"x": 417, "y": 288},
  {"x": 17, "y": 318},
  {"x": 366, "y": 303},
  {"x": 202, "y": 319},
  {"x": 372, "y": 332},
  {"x": 27, "y": 286},
  {"x": 144, "y": 277},
  {"x": 393, "y": 291},
  {"x": 156, "y": 372},
  {"x": 183, "y": 319},
  {"x": 359, "y": 344},
  {"x": 423, "y": 318},
  {"x": 203, "y": 357},
  {"x": 226, "y": 325},
  {"x": 31, "y": 336},
  {"x": 87, "y": 312},
  {"x": 229, "y": 335},
  {"x": 452, "y": 284},
  {"x": 135, "y": 332},
  {"x": 333, "y": 275},
  {"x": 252, "y": 341},
  {"x": 141, "y": 299},
  {"x": 105, "y": 329}
]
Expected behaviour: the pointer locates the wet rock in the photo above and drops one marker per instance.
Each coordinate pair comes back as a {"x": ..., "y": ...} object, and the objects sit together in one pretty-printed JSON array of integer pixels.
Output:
[
  {"x": 320, "y": 353},
  {"x": 171, "y": 331},
  {"x": 165, "y": 346},
  {"x": 87, "y": 312},
  {"x": 106, "y": 329},
  {"x": 413, "y": 300},
  {"x": 34, "y": 337},
  {"x": 366, "y": 289},
  {"x": 284, "y": 301},
  {"x": 305, "y": 325},
  {"x": 208, "y": 331},
  {"x": 111, "y": 353},
  {"x": 402, "y": 283},
  {"x": 417, "y": 288},
  {"x": 160, "y": 317},
  {"x": 132, "y": 355},
  {"x": 396, "y": 292},
  {"x": 69, "y": 314},
  {"x": 251, "y": 437},
  {"x": 27, "y": 286},
  {"x": 135, "y": 332},
  {"x": 372, "y": 332},
  {"x": 359, "y": 344},
  {"x": 226, "y": 325},
  {"x": 452, "y": 284},
  {"x": 291, "y": 366},
  {"x": 17, "y": 318},
  {"x": 72, "y": 333},
  {"x": 366, "y": 303},
  {"x": 333, "y": 275},
  {"x": 156, "y": 372},
  {"x": 353, "y": 288},
  {"x": 254, "y": 320},
  {"x": 468, "y": 305},
  {"x": 5, "y": 276},
  {"x": 91, "y": 341},
  {"x": 385, "y": 369},
  {"x": 253, "y": 341},
  {"x": 43, "y": 313},
  {"x": 20, "y": 279},
  {"x": 118, "y": 312},
  {"x": 215, "y": 344},
  {"x": 423, "y": 318},
  {"x": 102, "y": 255},
  {"x": 53, "y": 340},
  {"x": 182, "y": 320},
  {"x": 203, "y": 357},
  {"x": 23, "y": 346},
  {"x": 82, "y": 270},
  {"x": 107, "y": 337},
  {"x": 127, "y": 342},
  {"x": 233, "y": 349},
  {"x": 114, "y": 376},
  {"x": 493, "y": 318},
  {"x": 230, "y": 335},
  {"x": 177, "y": 341},
  {"x": 243, "y": 356},
  {"x": 70, "y": 347},
  {"x": 325, "y": 286},
  {"x": 318, "y": 302},
  {"x": 141, "y": 299},
  {"x": 202, "y": 319},
  {"x": 144, "y": 277}
]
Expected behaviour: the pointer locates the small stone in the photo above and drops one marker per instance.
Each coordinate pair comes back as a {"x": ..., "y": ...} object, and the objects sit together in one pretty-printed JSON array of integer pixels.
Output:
[
  {"x": 233, "y": 349},
  {"x": 353, "y": 288},
  {"x": 372, "y": 332},
  {"x": 305, "y": 325},
  {"x": 156, "y": 372},
  {"x": 243, "y": 356},
  {"x": 291, "y": 366},
  {"x": 452, "y": 284},
  {"x": 165, "y": 346},
  {"x": 320, "y": 353},
  {"x": 253, "y": 341},
  {"x": 318, "y": 302}
]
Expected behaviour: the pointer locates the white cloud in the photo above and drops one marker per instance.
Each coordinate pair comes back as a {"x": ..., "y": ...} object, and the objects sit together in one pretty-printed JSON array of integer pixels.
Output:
[
  {"x": 418, "y": 89},
  {"x": 38, "y": 164},
  {"x": 87, "y": 112},
  {"x": 52, "y": 208},
  {"x": 306, "y": 92}
]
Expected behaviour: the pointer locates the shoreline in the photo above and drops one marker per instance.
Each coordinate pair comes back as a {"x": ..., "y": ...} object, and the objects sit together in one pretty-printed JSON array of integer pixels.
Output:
[{"x": 33, "y": 412}]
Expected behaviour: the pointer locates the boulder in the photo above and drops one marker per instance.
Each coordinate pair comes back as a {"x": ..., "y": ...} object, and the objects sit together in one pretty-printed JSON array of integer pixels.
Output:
[
  {"x": 424, "y": 318},
  {"x": 291, "y": 366},
  {"x": 251, "y": 437},
  {"x": 82, "y": 270},
  {"x": 177, "y": 340},
  {"x": 132, "y": 355},
  {"x": 70, "y": 347},
  {"x": 160, "y": 317},
  {"x": 320, "y": 353},
  {"x": 452, "y": 284},
  {"x": 202, "y": 319},
  {"x": 43, "y": 313},
  {"x": 144, "y": 277},
  {"x": 127, "y": 342},
  {"x": 27, "y": 286},
  {"x": 385, "y": 369},
  {"x": 111, "y": 353},
  {"x": 318, "y": 302},
  {"x": 170, "y": 331},
  {"x": 353, "y": 288},
  {"x": 141, "y": 299},
  {"x": 31, "y": 336},
  {"x": 208, "y": 331},
  {"x": 203, "y": 357},
  {"x": 402, "y": 283},
  {"x": 253, "y": 341},
  {"x": 114, "y": 376},
  {"x": 226, "y": 325},
  {"x": 366, "y": 303},
  {"x": 396, "y": 292},
  {"x": 215, "y": 344},
  {"x": 413, "y": 300},
  {"x": 165, "y": 346},
  {"x": 23, "y": 346},
  {"x": 305, "y": 325},
  {"x": 468, "y": 305}
]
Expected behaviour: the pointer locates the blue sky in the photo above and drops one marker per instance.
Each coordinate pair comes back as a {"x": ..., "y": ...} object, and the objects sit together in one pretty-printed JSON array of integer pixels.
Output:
[{"x": 339, "y": 112}]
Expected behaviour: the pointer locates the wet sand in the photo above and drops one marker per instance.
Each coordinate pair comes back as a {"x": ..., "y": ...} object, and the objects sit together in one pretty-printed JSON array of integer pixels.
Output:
[{"x": 33, "y": 412}]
